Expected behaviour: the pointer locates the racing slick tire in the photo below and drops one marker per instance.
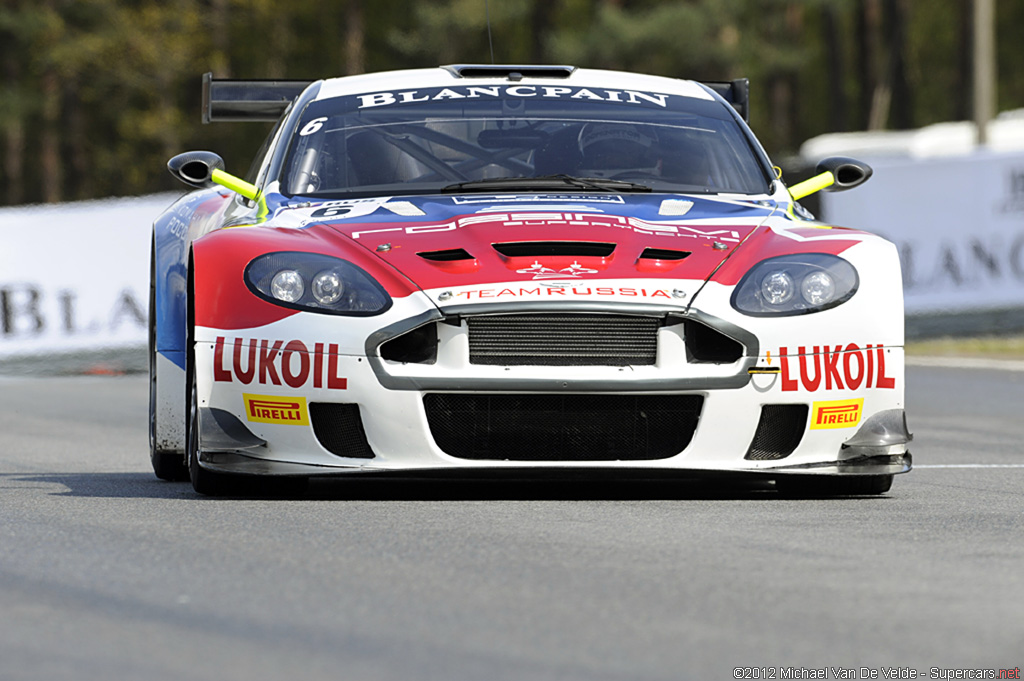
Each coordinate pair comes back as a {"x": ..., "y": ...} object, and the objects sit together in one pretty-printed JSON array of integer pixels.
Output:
[
  {"x": 167, "y": 464},
  {"x": 857, "y": 485},
  {"x": 206, "y": 482}
]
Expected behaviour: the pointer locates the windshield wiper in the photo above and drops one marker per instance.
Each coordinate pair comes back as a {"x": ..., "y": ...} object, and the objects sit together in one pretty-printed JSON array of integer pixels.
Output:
[{"x": 551, "y": 182}]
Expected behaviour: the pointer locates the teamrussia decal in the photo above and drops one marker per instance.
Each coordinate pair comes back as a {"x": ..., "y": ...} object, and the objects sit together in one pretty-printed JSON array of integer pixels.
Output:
[
  {"x": 560, "y": 290},
  {"x": 275, "y": 362},
  {"x": 836, "y": 414},
  {"x": 289, "y": 411},
  {"x": 835, "y": 368}
]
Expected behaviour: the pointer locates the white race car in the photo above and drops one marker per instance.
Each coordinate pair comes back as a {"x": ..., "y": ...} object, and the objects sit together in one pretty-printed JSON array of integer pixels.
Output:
[{"x": 517, "y": 271}]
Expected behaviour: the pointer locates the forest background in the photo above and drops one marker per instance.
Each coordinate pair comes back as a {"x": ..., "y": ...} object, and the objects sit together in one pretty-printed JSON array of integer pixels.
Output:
[{"x": 97, "y": 94}]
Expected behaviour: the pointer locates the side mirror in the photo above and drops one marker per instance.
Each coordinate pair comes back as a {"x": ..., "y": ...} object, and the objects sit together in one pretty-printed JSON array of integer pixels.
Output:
[
  {"x": 205, "y": 169},
  {"x": 835, "y": 174},
  {"x": 195, "y": 168}
]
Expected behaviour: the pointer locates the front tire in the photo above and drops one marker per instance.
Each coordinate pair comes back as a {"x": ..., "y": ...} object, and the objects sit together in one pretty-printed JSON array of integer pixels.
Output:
[
  {"x": 168, "y": 464},
  {"x": 207, "y": 482}
]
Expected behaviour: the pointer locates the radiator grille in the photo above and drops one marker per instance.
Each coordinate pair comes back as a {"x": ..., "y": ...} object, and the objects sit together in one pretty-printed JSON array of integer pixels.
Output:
[
  {"x": 563, "y": 340},
  {"x": 779, "y": 431},
  {"x": 339, "y": 428},
  {"x": 525, "y": 427}
]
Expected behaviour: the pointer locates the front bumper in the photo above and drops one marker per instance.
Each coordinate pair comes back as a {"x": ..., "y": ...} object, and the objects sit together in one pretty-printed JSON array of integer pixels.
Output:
[{"x": 285, "y": 379}]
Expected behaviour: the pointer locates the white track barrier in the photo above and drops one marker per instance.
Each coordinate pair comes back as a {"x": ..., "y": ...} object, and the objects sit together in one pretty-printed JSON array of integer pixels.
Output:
[
  {"x": 75, "y": 277},
  {"x": 958, "y": 223}
]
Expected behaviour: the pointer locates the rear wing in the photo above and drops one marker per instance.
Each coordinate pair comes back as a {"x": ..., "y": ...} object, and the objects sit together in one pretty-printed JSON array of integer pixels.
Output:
[
  {"x": 736, "y": 92},
  {"x": 230, "y": 100}
]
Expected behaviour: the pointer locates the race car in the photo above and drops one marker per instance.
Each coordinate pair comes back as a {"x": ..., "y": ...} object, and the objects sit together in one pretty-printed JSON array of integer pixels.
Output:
[{"x": 517, "y": 272}]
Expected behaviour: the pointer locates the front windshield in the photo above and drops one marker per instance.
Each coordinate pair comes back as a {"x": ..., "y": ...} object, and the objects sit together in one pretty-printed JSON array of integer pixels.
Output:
[{"x": 422, "y": 141}]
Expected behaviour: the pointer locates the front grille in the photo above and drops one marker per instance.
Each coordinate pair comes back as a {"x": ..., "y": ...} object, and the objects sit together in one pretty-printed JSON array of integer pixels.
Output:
[
  {"x": 562, "y": 427},
  {"x": 339, "y": 429},
  {"x": 563, "y": 340},
  {"x": 778, "y": 432}
]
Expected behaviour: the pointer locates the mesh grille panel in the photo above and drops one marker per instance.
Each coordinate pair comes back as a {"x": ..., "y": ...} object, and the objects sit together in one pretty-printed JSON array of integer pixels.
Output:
[
  {"x": 778, "y": 432},
  {"x": 339, "y": 429},
  {"x": 562, "y": 427},
  {"x": 563, "y": 340}
]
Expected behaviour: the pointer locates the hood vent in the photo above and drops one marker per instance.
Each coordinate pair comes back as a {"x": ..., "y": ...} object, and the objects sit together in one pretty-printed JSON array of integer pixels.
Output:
[
  {"x": 448, "y": 255},
  {"x": 663, "y": 254},
  {"x": 538, "y": 249},
  {"x": 660, "y": 259}
]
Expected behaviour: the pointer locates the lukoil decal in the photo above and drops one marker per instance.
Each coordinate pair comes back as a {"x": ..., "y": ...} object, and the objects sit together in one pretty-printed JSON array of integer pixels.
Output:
[
  {"x": 836, "y": 413},
  {"x": 290, "y": 411},
  {"x": 271, "y": 362},
  {"x": 838, "y": 368}
]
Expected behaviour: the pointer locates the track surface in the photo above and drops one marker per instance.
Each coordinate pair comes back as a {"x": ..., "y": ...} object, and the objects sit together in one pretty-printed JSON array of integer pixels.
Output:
[{"x": 107, "y": 573}]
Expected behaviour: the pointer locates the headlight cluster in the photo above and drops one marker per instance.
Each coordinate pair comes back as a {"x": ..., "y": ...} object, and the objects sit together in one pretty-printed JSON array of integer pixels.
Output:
[
  {"x": 317, "y": 283},
  {"x": 795, "y": 284}
]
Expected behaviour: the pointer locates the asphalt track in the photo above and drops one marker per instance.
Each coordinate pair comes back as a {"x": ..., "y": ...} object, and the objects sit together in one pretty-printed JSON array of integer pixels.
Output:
[{"x": 107, "y": 573}]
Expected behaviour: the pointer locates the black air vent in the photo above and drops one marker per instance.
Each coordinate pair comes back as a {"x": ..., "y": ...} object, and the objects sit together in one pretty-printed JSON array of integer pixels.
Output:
[
  {"x": 704, "y": 344},
  {"x": 418, "y": 346},
  {"x": 563, "y": 340},
  {"x": 339, "y": 429},
  {"x": 778, "y": 432},
  {"x": 571, "y": 427},
  {"x": 447, "y": 255},
  {"x": 537, "y": 249},
  {"x": 663, "y": 254}
]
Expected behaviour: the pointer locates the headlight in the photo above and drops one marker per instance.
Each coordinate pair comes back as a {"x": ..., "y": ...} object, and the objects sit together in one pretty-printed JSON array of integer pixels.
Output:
[
  {"x": 795, "y": 284},
  {"x": 287, "y": 286},
  {"x": 316, "y": 283}
]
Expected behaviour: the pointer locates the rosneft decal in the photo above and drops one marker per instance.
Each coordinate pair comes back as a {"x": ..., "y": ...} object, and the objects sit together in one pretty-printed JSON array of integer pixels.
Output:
[
  {"x": 836, "y": 414},
  {"x": 289, "y": 411},
  {"x": 835, "y": 368},
  {"x": 267, "y": 362}
]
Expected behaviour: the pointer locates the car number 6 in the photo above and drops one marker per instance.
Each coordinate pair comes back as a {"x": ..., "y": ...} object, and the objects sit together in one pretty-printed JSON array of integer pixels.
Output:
[{"x": 313, "y": 126}]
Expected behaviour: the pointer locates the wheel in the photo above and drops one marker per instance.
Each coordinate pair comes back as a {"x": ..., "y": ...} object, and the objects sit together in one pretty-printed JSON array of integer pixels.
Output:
[
  {"x": 167, "y": 464},
  {"x": 204, "y": 481},
  {"x": 809, "y": 485}
]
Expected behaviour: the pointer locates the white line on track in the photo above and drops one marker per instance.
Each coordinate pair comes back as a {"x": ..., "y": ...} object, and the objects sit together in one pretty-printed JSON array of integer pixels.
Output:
[
  {"x": 966, "y": 363},
  {"x": 970, "y": 465}
]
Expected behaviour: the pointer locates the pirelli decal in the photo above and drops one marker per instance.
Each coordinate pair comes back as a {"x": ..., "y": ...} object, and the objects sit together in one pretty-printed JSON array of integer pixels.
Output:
[
  {"x": 289, "y": 411},
  {"x": 836, "y": 414}
]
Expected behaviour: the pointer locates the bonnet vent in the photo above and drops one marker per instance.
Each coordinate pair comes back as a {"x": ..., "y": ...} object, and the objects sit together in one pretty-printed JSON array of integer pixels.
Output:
[
  {"x": 663, "y": 254},
  {"x": 448, "y": 255},
  {"x": 536, "y": 249}
]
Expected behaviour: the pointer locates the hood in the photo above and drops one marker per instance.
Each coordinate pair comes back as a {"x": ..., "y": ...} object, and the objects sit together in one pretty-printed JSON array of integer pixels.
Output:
[{"x": 473, "y": 240}]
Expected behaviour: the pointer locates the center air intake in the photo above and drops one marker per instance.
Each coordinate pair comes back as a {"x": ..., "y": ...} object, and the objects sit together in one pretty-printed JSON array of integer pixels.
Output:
[{"x": 563, "y": 340}]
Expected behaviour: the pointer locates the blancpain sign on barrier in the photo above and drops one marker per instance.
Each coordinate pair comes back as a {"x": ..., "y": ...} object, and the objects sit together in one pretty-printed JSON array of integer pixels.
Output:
[
  {"x": 75, "y": 276},
  {"x": 958, "y": 223}
]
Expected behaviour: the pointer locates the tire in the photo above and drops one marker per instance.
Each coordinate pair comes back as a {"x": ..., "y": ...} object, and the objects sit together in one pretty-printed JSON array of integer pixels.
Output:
[
  {"x": 857, "y": 485},
  {"x": 206, "y": 482},
  {"x": 168, "y": 465}
]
